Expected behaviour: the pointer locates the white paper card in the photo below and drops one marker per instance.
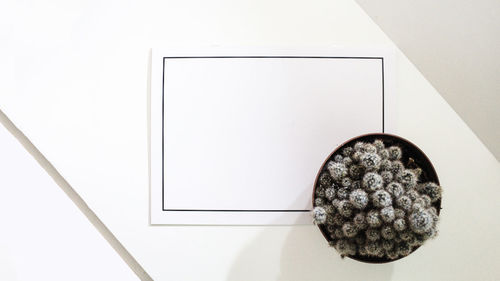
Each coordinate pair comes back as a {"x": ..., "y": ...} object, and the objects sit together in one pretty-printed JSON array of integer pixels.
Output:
[{"x": 237, "y": 137}]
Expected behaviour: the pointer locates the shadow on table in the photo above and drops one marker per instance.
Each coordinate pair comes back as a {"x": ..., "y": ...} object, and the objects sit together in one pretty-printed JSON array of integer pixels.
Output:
[{"x": 304, "y": 255}]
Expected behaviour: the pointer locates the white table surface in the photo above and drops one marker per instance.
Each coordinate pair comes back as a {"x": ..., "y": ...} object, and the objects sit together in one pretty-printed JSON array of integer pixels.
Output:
[
  {"x": 75, "y": 81},
  {"x": 44, "y": 236}
]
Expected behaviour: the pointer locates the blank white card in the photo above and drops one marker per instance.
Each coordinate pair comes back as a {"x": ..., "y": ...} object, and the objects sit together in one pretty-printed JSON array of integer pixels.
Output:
[{"x": 239, "y": 139}]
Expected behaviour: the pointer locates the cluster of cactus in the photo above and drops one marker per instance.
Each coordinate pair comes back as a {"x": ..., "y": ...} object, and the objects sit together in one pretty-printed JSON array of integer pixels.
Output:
[{"x": 371, "y": 205}]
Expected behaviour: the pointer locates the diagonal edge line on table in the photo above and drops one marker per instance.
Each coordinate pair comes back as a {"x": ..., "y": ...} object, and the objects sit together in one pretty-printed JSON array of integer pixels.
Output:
[{"x": 75, "y": 197}]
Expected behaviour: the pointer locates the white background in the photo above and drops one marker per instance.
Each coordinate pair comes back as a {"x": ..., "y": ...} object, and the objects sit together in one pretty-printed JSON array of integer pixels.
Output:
[
  {"x": 44, "y": 236},
  {"x": 75, "y": 80},
  {"x": 462, "y": 62}
]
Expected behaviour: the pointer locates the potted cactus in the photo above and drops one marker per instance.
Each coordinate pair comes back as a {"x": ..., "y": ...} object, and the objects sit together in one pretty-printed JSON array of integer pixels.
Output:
[{"x": 377, "y": 198}]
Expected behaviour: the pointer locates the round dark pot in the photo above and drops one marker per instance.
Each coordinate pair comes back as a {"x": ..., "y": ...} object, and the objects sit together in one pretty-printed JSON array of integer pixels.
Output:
[{"x": 412, "y": 157}]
